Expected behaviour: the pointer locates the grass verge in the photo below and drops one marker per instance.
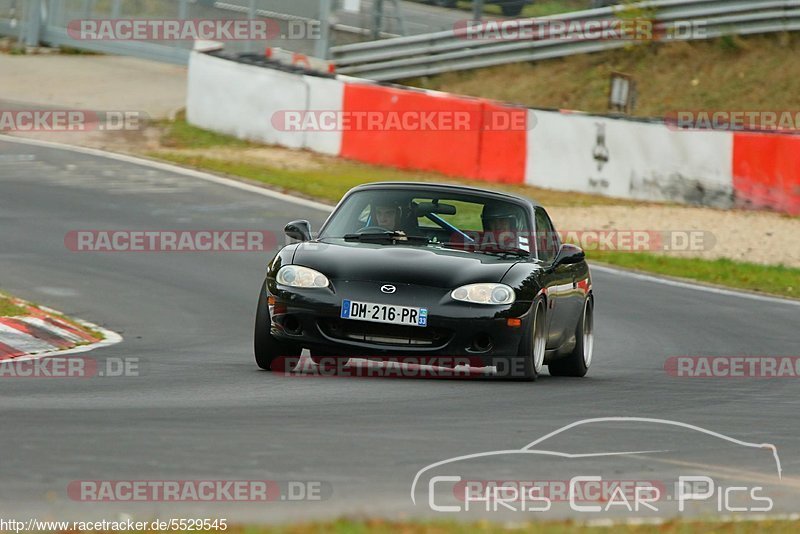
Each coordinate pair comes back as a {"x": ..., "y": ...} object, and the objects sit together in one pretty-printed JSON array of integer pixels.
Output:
[
  {"x": 330, "y": 183},
  {"x": 323, "y": 178},
  {"x": 327, "y": 179},
  {"x": 772, "y": 279},
  {"x": 728, "y": 73},
  {"x": 9, "y": 309}
]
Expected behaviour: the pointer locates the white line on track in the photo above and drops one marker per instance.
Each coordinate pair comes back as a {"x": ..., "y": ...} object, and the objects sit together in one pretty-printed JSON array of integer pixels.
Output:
[
  {"x": 694, "y": 287},
  {"x": 168, "y": 167}
]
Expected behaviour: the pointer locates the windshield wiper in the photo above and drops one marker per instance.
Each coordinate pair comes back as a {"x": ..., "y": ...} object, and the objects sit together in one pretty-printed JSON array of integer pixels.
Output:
[
  {"x": 387, "y": 236},
  {"x": 507, "y": 252},
  {"x": 488, "y": 250}
]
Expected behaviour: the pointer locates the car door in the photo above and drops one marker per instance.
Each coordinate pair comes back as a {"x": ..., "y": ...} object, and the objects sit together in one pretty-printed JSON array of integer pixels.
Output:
[{"x": 559, "y": 281}]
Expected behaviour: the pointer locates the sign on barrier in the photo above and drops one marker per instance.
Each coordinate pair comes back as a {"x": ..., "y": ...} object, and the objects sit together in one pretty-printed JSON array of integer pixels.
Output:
[{"x": 619, "y": 158}]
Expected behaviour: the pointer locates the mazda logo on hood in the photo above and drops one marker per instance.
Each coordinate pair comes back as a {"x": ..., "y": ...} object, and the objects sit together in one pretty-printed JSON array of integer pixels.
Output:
[{"x": 388, "y": 288}]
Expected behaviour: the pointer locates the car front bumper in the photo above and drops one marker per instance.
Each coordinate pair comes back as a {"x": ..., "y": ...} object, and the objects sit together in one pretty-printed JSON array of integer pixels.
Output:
[{"x": 471, "y": 333}]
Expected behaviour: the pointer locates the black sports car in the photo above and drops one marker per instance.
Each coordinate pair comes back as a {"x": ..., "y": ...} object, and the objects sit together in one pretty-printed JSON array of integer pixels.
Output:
[{"x": 405, "y": 270}]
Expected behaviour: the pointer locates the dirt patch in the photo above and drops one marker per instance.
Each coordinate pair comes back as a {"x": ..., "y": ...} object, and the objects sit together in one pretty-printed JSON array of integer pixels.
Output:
[{"x": 751, "y": 236}]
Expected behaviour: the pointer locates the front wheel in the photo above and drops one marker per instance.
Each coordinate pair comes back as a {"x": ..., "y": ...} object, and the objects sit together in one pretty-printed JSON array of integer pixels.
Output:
[
  {"x": 579, "y": 360},
  {"x": 528, "y": 363},
  {"x": 271, "y": 354}
]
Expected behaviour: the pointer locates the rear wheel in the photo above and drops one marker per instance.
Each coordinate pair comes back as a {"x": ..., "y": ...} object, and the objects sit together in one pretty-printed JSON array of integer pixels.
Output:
[
  {"x": 271, "y": 354},
  {"x": 579, "y": 360},
  {"x": 528, "y": 363}
]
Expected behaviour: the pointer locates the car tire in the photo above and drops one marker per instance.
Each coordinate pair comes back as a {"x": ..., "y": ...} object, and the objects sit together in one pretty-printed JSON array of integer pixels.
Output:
[
  {"x": 578, "y": 361},
  {"x": 271, "y": 354},
  {"x": 529, "y": 361}
]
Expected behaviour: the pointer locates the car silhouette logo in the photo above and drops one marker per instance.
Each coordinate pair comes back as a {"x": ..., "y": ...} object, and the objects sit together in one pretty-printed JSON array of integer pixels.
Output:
[{"x": 388, "y": 288}]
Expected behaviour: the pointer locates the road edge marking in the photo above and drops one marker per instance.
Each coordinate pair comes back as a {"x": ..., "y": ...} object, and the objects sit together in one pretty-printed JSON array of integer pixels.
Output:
[
  {"x": 693, "y": 285},
  {"x": 169, "y": 167},
  {"x": 109, "y": 338}
]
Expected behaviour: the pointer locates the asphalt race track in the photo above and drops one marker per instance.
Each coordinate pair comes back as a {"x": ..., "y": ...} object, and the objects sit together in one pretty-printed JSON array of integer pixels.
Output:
[{"x": 201, "y": 409}]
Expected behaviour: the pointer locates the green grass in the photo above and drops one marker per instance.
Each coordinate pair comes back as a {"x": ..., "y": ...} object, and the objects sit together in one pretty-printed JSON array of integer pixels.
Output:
[
  {"x": 729, "y": 73},
  {"x": 180, "y": 134},
  {"x": 334, "y": 177},
  {"x": 9, "y": 309},
  {"x": 330, "y": 183},
  {"x": 772, "y": 279},
  {"x": 72, "y": 51}
]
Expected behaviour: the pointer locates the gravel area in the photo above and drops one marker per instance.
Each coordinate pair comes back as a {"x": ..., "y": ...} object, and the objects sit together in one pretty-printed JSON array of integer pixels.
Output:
[{"x": 753, "y": 236}]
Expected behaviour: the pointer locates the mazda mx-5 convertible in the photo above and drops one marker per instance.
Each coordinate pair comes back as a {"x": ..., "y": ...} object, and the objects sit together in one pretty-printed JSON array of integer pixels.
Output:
[{"x": 403, "y": 270}]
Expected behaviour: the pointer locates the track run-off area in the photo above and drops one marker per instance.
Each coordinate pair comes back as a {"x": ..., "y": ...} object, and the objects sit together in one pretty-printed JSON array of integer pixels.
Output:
[{"x": 198, "y": 408}]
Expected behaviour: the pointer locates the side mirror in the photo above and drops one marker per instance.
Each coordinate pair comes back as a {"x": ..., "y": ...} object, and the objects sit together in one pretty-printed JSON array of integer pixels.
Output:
[
  {"x": 569, "y": 254},
  {"x": 300, "y": 230}
]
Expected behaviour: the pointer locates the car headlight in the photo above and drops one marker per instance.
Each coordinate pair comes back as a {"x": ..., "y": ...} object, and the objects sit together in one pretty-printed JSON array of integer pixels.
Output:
[
  {"x": 484, "y": 294},
  {"x": 299, "y": 276}
]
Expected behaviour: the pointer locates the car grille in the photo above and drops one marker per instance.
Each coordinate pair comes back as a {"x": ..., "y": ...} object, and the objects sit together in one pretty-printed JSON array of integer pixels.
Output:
[{"x": 384, "y": 334}]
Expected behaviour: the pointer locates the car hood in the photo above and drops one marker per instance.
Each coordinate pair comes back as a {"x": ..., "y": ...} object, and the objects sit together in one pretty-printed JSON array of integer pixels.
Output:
[{"x": 401, "y": 264}]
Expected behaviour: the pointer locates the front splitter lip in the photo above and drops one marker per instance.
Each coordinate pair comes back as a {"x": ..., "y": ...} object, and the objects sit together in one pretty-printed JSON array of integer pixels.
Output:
[{"x": 505, "y": 340}]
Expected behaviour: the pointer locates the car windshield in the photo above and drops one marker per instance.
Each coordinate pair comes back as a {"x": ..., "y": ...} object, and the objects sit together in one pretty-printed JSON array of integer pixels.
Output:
[{"x": 454, "y": 220}]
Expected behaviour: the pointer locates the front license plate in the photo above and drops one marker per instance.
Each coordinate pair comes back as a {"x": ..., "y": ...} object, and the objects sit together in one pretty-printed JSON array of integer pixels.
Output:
[{"x": 384, "y": 313}]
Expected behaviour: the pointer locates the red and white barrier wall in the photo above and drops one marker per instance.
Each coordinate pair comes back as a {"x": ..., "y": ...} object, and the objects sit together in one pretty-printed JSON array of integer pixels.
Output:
[
  {"x": 628, "y": 159},
  {"x": 766, "y": 171},
  {"x": 240, "y": 100},
  {"x": 556, "y": 150},
  {"x": 477, "y": 151}
]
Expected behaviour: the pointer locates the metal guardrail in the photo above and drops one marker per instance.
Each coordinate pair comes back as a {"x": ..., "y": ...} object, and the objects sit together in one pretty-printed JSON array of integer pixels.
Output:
[
  {"x": 34, "y": 22},
  {"x": 446, "y": 51}
]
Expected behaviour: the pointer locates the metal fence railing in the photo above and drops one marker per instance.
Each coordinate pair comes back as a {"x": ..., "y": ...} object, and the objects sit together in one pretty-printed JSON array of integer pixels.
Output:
[
  {"x": 34, "y": 22},
  {"x": 435, "y": 53}
]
